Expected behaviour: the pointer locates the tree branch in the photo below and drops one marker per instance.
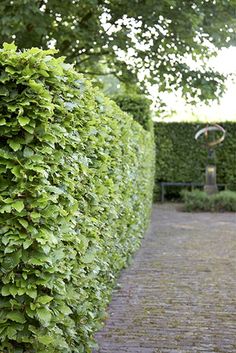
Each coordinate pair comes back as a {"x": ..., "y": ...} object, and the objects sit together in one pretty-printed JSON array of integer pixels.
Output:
[
  {"x": 86, "y": 17},
  {"x": 89, "y": 54}
]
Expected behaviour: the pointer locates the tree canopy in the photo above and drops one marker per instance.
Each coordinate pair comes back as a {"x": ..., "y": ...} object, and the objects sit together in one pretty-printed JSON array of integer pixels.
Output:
[{"x": 145, "y": 41}]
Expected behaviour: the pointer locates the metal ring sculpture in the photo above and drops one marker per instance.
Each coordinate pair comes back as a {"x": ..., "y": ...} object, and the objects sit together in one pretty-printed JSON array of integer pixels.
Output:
[{"x": 206, "y": 130}]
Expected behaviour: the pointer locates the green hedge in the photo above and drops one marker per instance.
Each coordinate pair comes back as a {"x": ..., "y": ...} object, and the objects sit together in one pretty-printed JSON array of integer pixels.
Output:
[
  {"x": 179, "y": 158},
  {"x": 138, "y": 106},
  {"x": 76, "y": 187},
  {"x": 223, "y": 201}
]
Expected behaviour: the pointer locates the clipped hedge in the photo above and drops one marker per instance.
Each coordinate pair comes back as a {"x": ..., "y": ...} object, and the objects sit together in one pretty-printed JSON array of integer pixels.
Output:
[
  {"x": 138, "y": 106},
  {"x": 75, "y": 198},
  {"x": 179, "y": 158}
]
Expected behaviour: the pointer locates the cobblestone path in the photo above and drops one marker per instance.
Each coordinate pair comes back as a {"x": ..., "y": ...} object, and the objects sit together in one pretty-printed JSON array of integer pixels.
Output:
[{"x": 179, "y": 294}]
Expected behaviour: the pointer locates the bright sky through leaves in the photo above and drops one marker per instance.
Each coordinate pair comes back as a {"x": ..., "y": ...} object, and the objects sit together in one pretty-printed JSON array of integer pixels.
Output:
[{"x": 225, "y": 62}]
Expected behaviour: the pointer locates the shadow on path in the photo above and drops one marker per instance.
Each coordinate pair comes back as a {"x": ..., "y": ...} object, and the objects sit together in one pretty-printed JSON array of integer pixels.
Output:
[{"x": 179, "y": 294}]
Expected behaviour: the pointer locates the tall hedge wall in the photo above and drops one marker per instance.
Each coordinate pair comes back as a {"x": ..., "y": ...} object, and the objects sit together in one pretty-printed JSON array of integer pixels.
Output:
[
  {"x": 138, "y": 106},
  {"x": 179, "y": 158},
  {"x": 75, "y": 196}
]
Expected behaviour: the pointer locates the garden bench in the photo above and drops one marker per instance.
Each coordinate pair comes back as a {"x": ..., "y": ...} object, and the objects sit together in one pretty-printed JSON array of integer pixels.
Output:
[{"x": 192, "y": 185}]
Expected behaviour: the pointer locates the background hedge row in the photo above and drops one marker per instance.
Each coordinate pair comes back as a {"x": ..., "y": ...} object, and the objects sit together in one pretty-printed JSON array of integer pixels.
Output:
[
  {"x": 179, "y": 158},
  {"x": 75, "y": 195}
]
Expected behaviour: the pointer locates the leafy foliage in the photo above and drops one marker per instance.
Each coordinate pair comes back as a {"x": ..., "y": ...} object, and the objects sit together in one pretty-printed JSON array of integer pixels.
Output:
[
  {"x": 126, "y": 38},
  {"x": 138, "y": 106},
  {"x": 224, "y": 201},
  {"x": 76, "y": 186},
  {"x": 179, "y": 158}
]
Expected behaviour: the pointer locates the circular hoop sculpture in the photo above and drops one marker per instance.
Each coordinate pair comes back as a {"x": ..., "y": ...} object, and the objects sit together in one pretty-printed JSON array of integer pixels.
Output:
[
  {"x": 206, "y": 131},
  {"x": 210, "y": 182}
]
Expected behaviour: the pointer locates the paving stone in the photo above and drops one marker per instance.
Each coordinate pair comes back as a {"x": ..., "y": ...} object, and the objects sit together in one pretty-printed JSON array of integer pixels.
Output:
[{"x": 179, "y": 294}]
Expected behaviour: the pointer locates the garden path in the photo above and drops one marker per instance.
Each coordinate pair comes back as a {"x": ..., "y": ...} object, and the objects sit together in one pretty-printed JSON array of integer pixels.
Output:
[{"x": 179, "y": 294}]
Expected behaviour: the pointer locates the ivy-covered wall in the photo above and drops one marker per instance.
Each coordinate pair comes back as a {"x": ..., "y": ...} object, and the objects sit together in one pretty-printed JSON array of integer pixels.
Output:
[
  {"x": 76, "y": 180},
  {"x": 180, "y": 158}
]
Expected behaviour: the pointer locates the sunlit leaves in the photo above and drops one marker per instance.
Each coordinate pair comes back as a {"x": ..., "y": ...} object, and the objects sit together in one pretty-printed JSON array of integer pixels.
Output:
[
  {"x": 23, "y": 120},
  {"x": 14, "y": 145},
  {"x": 16, "y": 316},
  {"x": 75, "y": 194},
  {"x": 18, "y": 205},
  {"x": 44, "y": 316}
]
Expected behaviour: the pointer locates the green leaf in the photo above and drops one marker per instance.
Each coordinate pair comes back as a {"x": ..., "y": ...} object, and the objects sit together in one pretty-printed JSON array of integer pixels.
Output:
[
  {"x": 27, "y": 243},
  {"x": 45, "y": 299},
  {"x": 44, "y": 315},
  {"x": 17, "y": 171},
  {"x": 31, "y": 292},
  {"x": 5, "y": 290},
  {"x": 3, "y": 91},
  {"x": 9, "y": 46},
  {"x": 23, "y": 120},
  {"x": 28, "y": 152},
  {"x": 21, "y": 291},
  {"x": 29, "y": 129},
  {"x": 13, "y": 291},
  {"x": 18, "y": 205},
  {"x": 11, "y": 260},
  {"x": 4, "y": 77},
  {"x": 14, "y": 145},
  {"x": 37, "y": 87},
  {"x": 23, "y": 222},
  {"x": 28, "y": 137},
  {"x": 49, "y": 138},
  {"x": 89, "y": 257},
  {"x": 6, "y": 208},
  {"x": 16, "y": 316},
  {"x": 35, "y": 216},
  {"x": 65, "y": 309},
  {"x": 45, "y": 339},
  {"x": 30, "y": 312},
  {"x": 2, "y": 121},
  {"x": 11, "y": 332}
]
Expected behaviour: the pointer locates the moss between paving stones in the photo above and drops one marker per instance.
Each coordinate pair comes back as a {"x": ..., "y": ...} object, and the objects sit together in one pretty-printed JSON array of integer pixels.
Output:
[{"x": 76, "y": 189}]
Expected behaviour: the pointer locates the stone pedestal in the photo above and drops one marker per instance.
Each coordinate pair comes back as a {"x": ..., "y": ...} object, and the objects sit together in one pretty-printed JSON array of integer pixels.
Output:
[{"x": 210, "y": 185}]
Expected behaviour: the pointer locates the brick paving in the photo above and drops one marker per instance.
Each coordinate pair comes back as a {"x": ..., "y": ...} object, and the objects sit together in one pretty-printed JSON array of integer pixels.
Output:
[{"x": 179, "y": 293}]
